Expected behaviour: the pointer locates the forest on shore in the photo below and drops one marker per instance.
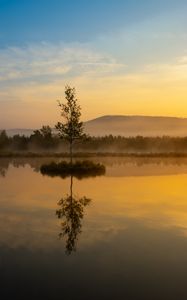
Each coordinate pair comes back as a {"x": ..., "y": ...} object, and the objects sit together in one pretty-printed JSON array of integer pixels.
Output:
[{"x": 45, "y": 140}]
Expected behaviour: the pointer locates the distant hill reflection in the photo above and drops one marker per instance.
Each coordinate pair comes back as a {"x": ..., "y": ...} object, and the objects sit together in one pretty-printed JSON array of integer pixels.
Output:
[{"x": 71, "y": 212}]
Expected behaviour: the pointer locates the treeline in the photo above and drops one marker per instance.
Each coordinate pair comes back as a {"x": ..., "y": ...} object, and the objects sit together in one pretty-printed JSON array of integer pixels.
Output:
[
  {"x": 45, "y": 140},
  {"x": 42, "y": 139}
]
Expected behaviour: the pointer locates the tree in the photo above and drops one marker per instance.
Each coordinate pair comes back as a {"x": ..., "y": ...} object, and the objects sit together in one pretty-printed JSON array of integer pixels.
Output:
[
  {"x": 43, "y": 138},
  {"x": 47, "y": 137},
  {"x": 46, "y": 131},
  {"x": 71, "y": 128},
  {"x": 4, "y": 140}
]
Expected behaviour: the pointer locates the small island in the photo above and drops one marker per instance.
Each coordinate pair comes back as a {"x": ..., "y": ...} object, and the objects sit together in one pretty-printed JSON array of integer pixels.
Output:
[{"x": 78, "y": 169}]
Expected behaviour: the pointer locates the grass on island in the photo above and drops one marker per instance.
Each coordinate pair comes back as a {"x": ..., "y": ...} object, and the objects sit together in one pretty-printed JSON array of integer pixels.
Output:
[{"x": 79, "y": 169}]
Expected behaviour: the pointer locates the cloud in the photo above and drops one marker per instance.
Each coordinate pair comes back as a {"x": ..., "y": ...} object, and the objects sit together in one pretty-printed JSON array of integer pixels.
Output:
[
  {"x": 173, "y": 73},
  {"x": 47, "y": 62},
  {"x": 182, "y": 60},
  {"x": 33, "y": 77}
]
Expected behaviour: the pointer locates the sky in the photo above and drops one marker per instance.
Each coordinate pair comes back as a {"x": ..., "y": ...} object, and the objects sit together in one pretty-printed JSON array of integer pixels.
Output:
[{"x": 124, "y": 57}]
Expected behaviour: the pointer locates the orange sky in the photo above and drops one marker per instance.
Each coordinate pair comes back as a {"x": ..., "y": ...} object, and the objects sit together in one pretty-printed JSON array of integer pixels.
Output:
[
  {"x": 161, "y": 90},
  {"x": 135, "y": 67}
]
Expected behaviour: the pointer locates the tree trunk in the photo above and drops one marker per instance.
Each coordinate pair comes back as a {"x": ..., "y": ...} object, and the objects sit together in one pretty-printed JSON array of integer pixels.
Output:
[
  {"x": 71, "y": 188},
  {"x": 71, "y": 152}
]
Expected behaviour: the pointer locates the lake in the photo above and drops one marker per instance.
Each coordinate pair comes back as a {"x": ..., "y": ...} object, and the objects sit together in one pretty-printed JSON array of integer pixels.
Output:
[{"x": 118, "y": 236}]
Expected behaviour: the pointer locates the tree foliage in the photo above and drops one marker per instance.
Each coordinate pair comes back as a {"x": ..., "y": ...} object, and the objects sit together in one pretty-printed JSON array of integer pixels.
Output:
[
  {"x": 70, "y": 128},
  {"x": 4, "y": 140}
]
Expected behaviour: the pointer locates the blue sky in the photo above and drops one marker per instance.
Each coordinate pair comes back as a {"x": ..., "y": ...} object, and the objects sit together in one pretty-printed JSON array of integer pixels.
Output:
[
  {"x": 27, "y": 21},
  {"x": 94, "y": 45}
]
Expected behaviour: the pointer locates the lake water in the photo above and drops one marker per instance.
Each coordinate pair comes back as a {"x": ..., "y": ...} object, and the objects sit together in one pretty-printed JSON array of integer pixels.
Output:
[{"x": 123, "y": 236}]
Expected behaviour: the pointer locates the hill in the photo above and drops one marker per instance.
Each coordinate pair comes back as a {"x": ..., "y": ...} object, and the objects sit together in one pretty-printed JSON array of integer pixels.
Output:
[
  {"x": 137, "y": 125},
  {"x": 128, "y": 126}
]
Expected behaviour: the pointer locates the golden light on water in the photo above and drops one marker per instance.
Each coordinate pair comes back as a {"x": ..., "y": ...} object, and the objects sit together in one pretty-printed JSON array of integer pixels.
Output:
[{"x": 156, "y": 201}]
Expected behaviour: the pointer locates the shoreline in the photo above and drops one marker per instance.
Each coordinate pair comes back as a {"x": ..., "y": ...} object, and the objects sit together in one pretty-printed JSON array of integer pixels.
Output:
[{"x": 90, "y": 154}]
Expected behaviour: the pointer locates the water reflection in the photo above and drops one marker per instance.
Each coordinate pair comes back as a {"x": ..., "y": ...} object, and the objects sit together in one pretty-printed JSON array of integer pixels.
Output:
[
  {"x": 141, "y": 221},
  {"x": 125, "y": 165},
  {"x": 4, "y": 164},
  {"x": 71, "y": 211}
]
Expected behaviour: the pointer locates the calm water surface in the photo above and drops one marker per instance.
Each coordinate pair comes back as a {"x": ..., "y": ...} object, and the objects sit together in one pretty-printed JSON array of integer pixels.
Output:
[{"x": 118, "y": 236}]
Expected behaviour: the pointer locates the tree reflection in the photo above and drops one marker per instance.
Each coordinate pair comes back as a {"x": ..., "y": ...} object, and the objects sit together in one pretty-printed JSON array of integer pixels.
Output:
[
  {"x": 4, "y": 165},
  {"x": 71, "y": 212}
]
